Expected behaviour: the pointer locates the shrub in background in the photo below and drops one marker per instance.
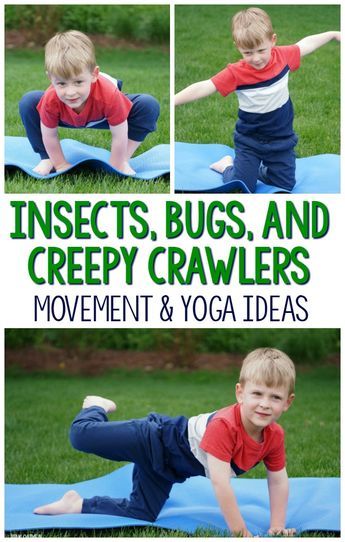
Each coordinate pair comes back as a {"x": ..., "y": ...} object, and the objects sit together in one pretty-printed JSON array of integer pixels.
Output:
[
  {"x": 136, "y": 23},
  {"x": 303, "y": 345}
]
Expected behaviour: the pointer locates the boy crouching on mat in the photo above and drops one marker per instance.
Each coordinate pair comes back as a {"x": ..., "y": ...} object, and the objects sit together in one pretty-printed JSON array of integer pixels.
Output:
[
  {"x": 264, "y": 138},
  {"x": 81, "y": 97},
  {"x": 218, "y": 445}
]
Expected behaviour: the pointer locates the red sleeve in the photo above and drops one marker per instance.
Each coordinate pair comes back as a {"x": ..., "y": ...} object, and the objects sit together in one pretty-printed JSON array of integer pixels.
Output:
[
  {"x": 218, "y": 440},
  {"x": 225, "y": 80},
  {"x": 48, "y": 109},
  {"x": 275, "y": 458},
  {"x": 292, "y": 54},
  {"x": 117, "y": 111}
]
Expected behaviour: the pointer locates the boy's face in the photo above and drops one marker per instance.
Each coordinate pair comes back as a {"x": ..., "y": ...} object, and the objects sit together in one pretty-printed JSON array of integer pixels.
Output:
[
  {"x": 261, "y": 405},
  {"x": 75, "y": 91},
  {"x": 259, "y": 57}
]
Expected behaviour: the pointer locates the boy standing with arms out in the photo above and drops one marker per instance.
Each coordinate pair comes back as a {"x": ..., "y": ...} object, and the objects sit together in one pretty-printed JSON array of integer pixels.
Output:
[
  {"x": 81, "y": 97},
  {"x": 264, "y": 138},
  {"x": 218, "y": 445}
]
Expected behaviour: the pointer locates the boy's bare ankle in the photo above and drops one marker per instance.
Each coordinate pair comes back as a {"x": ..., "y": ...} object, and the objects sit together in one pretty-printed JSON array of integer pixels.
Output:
[{"x": 94, "y": 400}]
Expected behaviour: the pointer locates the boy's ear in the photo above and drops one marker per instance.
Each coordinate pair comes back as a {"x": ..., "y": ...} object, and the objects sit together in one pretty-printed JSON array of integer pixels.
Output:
[
  {"x": 289, "y": 401},
  {"x": 239, "y": 392},
  {"x": 274, "y": 40},
  {"x": 95, "y": 74}
]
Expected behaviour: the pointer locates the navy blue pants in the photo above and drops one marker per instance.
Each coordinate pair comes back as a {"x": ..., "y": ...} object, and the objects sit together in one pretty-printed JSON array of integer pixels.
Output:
[
  {"x": 141, "y": 121},
  {"x": 157, "y": 445},
  {"x": 273, "y": 162}
]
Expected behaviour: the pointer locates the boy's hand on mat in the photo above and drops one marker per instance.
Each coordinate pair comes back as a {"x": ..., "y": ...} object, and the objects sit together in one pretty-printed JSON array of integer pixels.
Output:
[
  {"x": 276, "y": 531},
  {"x": 44, "y": 167}
]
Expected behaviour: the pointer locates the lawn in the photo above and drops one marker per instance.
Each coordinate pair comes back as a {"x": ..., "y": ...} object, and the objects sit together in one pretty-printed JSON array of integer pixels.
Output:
[
  {"x": 203, "y": 46},
  {"x": 144, "y": 70},
  {"x": 39, "y": 409}
]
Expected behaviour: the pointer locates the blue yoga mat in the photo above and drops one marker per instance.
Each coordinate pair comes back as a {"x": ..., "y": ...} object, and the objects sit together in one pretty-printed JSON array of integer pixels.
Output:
[
  {"x": 313, "y": 504},
  {"x": 149, "y": 165},
  {"x": 314, "y": 175}
]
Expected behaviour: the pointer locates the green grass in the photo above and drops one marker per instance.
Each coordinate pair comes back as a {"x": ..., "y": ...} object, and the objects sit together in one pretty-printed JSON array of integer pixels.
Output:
[
  {"x": 40, "y": 408},
  {"x": 143, "y": 71},
  {"x": 203, "y": 46}
]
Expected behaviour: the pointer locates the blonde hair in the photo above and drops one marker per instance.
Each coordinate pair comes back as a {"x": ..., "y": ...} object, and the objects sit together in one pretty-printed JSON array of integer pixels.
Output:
[
  {"x": 270, "y": 367},
  {"x": 250, "y": 27},
  {"x": 67, "y": 54}
]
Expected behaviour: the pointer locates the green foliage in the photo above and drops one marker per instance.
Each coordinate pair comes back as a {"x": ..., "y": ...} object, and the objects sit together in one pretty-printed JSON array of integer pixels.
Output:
[
  {"x": 38, "y": 22},
  {"x": 137, "y": 23},
  {"x": 303, "y": 345}
]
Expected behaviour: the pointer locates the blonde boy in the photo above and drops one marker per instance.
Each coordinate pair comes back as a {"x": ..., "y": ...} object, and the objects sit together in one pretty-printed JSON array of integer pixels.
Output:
[
  {"x": 81, "y": 97},
  {"x": 264, "y": 138},
  {"x": 218, "y": 445},
  {"x": 247, "y": 433}
]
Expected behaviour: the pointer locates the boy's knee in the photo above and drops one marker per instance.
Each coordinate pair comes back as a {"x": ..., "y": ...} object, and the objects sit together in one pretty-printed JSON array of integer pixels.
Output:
[
  {"x": 29, "y": 101},
  {"x": 151, "y": 105},
  {"x": 147, "y": 515},
  {"x": 78, "y": 436}
]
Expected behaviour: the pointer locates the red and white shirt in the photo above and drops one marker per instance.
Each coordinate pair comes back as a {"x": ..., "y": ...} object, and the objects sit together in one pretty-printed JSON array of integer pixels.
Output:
[
  {"x": 265, "y": 108},
  {"x": 105, "y": 102},
  {"x": 222, "y": 435}
]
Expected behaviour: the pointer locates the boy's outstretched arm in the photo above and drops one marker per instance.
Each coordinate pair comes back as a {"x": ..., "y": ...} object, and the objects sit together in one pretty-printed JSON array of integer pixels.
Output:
[
  {"x": 220, "y": 477},
  {"x": 311, "y": 43},
  {"x": 196, "y": 91},
  {"x": 119, "y": 148},
  {"x": 278, "y": 488}
]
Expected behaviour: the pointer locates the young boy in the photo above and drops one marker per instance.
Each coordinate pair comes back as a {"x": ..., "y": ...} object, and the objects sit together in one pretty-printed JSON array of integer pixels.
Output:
[
  {"x": 81, "y": 97},
  {"x": 264, "y": 138},
  {"x": 218, "y": 445}
]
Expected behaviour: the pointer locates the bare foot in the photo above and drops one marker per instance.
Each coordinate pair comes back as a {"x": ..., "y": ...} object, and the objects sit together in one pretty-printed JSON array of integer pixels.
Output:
[
  {"x": 222, "y": 164},
  {"x": 44, "y": 167},
  {"x": 95, "y": 400},
  {"x": 71, "y": 503}
]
